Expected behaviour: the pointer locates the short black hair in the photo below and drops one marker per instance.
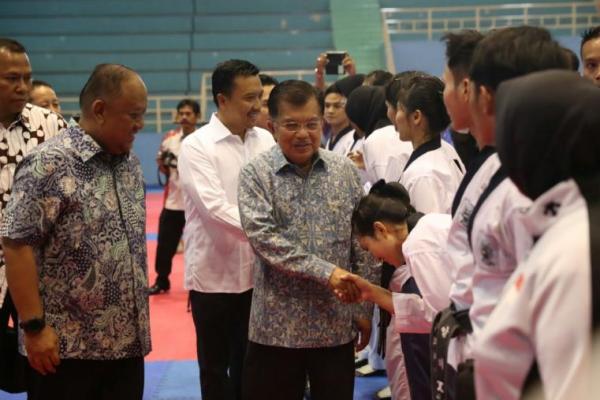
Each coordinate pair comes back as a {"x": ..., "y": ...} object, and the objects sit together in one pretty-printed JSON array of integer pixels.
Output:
[
  {"x": 193, "y": 104},
  {"x": 39, "y": 83},
  {"x": 267, "y": 80},
  {"x": 573, "y": 59},
  {"x": 226, "y": 72},
  {"x": 459, "y": 50},
  {"x": 515, "y": 51},
  {"x": 425, "y": 93},
  {"x": 105, "y": 81},
  {"x": 12, "y": 45},
  {"x": 589, "y": 34},
  {"x": 294, "y": 92},
  {"x": 398, "y": 83},
  {"x": 333, "y": 88},
  {"x": 378, "y": 77}
]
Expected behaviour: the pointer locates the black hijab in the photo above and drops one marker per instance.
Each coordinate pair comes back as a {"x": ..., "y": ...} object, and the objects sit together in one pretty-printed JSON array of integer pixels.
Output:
[
  {"x": 346, "y": 85},
  {"x": 366, "y": 108},
  {"x": 548, "y": 129}
]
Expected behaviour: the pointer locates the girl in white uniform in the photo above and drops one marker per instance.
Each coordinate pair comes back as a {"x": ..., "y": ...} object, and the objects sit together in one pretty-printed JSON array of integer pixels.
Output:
[
  {"x": 551, "y": 303},
  {"x": 430, "y": 175},
  {"x": 385, "y": 155},
  {"x": 417, "y": 290},
  {"x": 367, "y": 112}
]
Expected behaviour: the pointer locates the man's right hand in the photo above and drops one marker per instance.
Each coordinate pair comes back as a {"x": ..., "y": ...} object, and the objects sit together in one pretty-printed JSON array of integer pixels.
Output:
[
  {"x": 345, "y": 290},
  {"x": 364, "y": 286},
  {"x": 42, "y": 350}
]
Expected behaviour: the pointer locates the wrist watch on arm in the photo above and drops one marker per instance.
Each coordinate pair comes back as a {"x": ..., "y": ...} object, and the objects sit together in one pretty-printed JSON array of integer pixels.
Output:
[{"x": 33, "y": 325}]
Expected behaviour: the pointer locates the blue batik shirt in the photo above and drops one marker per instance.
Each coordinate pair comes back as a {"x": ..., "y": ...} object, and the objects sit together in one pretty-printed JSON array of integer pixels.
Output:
[
  {"x": 300, "y": 228},
  {"x": 83, "y": 212}
]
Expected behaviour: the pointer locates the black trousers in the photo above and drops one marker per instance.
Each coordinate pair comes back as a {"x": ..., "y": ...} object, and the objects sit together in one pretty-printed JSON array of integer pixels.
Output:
[
  {"x": 417, "y": 354},
  {"x": 221, "y": 321},
  {"x": 13, "y": 366},
  {"x": 170, "y": 229},
  {"x": 89, "y": 380},
  {"x": 280, "y": 373}
]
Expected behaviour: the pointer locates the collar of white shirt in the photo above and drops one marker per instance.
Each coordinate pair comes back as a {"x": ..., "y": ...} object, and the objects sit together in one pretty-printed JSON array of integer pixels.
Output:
[{"x": 222, "y": 132}]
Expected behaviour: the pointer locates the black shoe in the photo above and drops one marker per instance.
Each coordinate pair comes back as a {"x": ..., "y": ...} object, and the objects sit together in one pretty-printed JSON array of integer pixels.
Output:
[
  {"x": 361, "y": 363},
  {"x": 157, "y": 289}
]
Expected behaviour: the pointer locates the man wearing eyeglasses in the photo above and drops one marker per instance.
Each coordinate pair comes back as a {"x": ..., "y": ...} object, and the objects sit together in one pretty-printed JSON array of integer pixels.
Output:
[
  {"x": 219, "y": 261},
  {"x": 296, "y": 202}
]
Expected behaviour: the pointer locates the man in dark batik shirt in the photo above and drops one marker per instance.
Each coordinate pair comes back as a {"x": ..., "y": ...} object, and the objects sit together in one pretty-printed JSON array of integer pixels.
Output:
[{"x": 74, "y": 239}]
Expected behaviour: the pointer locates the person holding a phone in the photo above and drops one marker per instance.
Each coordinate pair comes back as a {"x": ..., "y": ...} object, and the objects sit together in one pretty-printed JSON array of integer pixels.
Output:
[{"x": 333, "y": 63}]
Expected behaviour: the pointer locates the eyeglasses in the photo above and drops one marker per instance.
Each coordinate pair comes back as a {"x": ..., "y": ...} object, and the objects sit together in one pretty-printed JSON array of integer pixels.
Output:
[{"x": 293, "y": 126}]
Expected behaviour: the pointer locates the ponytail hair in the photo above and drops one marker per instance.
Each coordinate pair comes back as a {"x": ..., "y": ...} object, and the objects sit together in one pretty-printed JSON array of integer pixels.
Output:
[
  {"x": 426, "y": 94},
  {"x": 387, "y": 202}
]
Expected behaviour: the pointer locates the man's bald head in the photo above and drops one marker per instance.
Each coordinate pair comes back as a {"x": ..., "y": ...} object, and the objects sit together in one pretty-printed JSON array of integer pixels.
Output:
[
  {"x": 106, "y": 82},
  {"x": 113, "y": 103}
]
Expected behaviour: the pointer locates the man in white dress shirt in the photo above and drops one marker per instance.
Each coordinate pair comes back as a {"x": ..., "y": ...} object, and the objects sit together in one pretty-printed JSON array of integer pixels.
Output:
[{"x": 219, "y": 261}]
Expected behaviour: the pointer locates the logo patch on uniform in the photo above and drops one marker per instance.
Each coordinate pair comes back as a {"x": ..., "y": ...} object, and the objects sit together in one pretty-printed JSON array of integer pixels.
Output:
[
  {"x": 488, "y": 253},
  {"x": 551, "y": 208},
  {"x": 519, "y": 282}
]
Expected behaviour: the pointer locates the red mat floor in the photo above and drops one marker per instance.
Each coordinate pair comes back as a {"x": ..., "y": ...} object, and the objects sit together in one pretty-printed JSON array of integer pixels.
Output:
[{"x": 171, "y": 326}]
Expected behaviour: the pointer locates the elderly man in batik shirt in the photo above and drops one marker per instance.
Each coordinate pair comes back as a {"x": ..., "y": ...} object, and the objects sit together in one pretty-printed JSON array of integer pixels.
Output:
[
  {"x": 296, "y": 203},
  {"x": 75, "y": 246}
]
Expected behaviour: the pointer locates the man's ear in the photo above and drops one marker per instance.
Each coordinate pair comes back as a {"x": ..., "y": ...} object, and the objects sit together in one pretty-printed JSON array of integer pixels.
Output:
[
  {"x": 221, "y": 99},
  {"x": 488, "y": 100},
  {"x": 270, "y": 125},
  {"x": 98, "y": 109},
  {"x": 463, "y": 89}
]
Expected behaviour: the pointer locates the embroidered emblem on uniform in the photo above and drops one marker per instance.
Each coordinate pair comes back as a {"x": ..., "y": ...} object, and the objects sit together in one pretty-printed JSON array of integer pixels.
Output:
[
  {"x": 487, "y": 254},
  {"x": 551, "y": 208}
]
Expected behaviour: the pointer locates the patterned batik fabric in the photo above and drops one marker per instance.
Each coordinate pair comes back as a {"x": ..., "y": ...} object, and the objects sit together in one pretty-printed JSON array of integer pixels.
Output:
[
  {"x": 83, "y": 212},
  {"x": 32, "y": 127},
  {"x": 300, "y": 228}
]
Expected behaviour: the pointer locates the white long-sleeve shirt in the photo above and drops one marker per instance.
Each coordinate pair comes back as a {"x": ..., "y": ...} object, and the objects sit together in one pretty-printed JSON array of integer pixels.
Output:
[
  {"x": 545, "y": 311},
  {"x": 385, "y": 155},
  {"x": 426, "y": 257},
  {"x": 218, "y": 257}
]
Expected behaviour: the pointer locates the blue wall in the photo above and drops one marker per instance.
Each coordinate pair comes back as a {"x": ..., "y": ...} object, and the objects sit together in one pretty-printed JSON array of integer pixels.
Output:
[
  {"x": 146, "y": 146},
  {"x": 429, "y": 56}
]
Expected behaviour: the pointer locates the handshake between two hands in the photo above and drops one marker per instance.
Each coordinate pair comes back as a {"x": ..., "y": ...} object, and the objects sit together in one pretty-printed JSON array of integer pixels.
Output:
[
  {"x": 348, "y": 287},
  {"x": 351, "y": 288}
]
